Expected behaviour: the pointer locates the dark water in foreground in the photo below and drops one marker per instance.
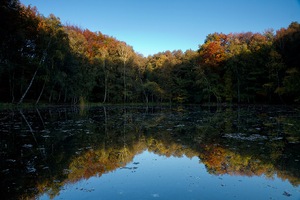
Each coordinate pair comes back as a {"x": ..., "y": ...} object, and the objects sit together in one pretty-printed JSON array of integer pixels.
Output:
[{"x": 114, "y": 152}]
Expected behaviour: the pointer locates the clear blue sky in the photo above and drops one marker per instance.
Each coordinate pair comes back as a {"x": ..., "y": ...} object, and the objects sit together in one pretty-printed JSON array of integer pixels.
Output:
[{"x": 152, "y": 26}]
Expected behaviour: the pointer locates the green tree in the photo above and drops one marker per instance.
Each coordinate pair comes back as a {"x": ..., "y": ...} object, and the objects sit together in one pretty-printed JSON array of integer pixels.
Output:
[{"x": 287, "y": 44}]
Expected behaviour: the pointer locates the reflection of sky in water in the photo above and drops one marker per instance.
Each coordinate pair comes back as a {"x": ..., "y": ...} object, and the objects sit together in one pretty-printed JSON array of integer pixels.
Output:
[{"x": 150, "y": 176}]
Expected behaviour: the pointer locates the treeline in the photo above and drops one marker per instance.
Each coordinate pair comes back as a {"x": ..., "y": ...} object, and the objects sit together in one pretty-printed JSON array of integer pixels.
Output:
[{"x": 42, "y": 60}]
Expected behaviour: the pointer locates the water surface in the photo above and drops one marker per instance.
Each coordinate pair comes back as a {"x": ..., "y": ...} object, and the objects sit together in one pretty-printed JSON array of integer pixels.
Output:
[{"x": 189, "y": 152}]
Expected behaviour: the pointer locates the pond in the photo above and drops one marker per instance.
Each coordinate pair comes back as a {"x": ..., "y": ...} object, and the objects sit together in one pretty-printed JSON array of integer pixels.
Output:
[{"x": 159, "y": 152}]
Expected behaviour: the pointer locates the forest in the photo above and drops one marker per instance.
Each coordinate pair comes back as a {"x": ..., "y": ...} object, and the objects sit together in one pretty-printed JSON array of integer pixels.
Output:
[{"x": 45, "y": 61}]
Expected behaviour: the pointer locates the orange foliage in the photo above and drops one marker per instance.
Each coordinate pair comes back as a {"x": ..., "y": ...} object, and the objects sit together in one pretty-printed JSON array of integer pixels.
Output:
[
  {"x": 215, "y": 158},
  {"x": 213, "y": 52}
]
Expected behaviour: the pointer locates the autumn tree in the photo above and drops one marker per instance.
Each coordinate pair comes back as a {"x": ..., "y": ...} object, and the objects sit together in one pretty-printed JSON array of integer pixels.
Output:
[
  {"x": 124, "y": 53},
  {"x": 212, "y": 55}
]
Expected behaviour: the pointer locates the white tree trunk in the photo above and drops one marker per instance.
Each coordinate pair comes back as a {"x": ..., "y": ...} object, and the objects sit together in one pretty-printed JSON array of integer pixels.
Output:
[
  {"x": 29, "y": 86},
  {"x": 33, "y": 77}
]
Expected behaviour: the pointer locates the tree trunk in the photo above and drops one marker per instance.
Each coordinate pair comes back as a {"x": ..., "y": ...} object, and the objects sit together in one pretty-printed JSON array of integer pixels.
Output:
[
  {"x": 59, "y": 95},
  {"x": 37, "y": 101},
  {"x": 105, "y": 81},
  {"x": 65, "y": 99},
  {"x": 33, "y": 77},
  {"x": 29, "y": 86},
  {"x": 12, "y": 86},
  {"x": 124, "y": 52},
  {"x": 144, "y": 92},
  {"x": 105, "y": 88},
  {"x": 237, "y": 74},
  {"x": 50, "y": 96},
  {"x": 124, "y": 80}
]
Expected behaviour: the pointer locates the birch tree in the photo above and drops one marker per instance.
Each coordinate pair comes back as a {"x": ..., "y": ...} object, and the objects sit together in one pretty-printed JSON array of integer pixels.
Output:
[{"x": 124, "y": 53}]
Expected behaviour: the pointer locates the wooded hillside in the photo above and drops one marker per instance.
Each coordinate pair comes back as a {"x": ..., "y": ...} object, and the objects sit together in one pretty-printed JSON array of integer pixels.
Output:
[{"x": 42, "y": 60}]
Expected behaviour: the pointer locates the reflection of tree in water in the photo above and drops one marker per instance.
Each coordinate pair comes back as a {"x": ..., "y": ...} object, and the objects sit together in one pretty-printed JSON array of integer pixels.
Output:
[{"x": 234, "y": 141}]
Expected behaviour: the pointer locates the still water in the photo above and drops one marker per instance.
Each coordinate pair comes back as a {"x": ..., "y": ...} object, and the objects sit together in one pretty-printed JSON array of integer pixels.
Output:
[{"x": 187, "y": 152}]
